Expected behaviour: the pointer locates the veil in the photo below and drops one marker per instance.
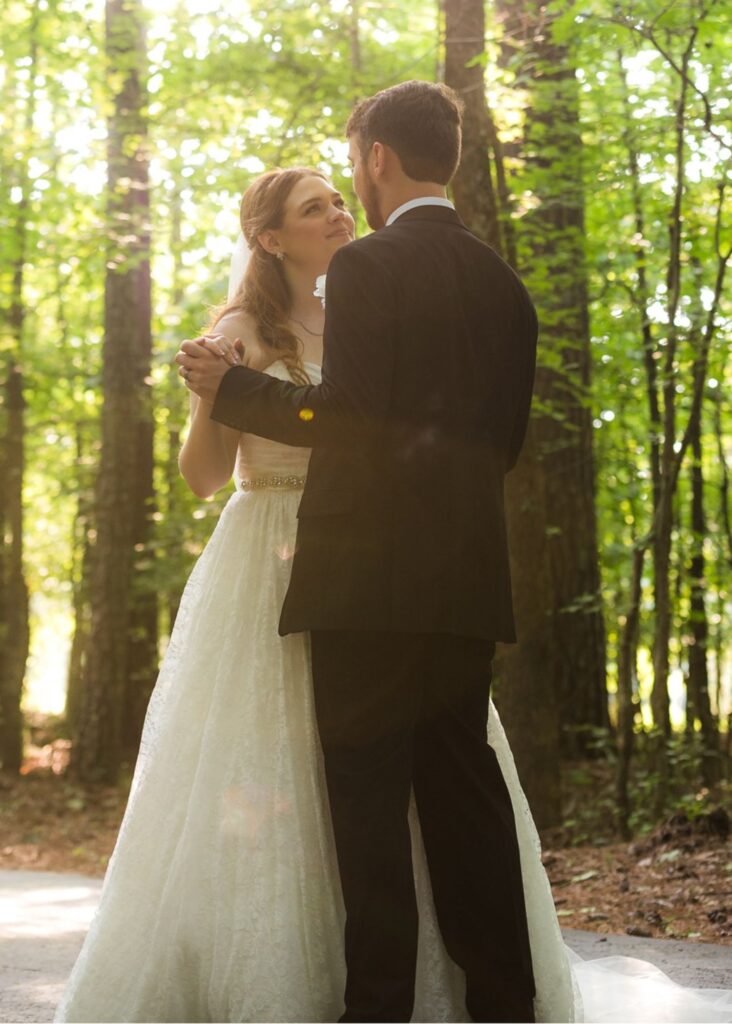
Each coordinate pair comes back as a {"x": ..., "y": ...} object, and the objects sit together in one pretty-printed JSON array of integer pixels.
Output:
[
  {"x": 239, "y": 262},
  {"x": 237, "y": 268}
]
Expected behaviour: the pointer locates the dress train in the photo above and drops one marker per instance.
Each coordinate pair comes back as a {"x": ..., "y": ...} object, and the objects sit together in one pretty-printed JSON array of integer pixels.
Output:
[{"x": 222, "y": 901}]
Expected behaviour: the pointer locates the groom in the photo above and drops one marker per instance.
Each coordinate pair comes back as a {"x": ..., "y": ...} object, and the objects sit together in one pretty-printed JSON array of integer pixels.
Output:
[{"x": 401, "y": 572}]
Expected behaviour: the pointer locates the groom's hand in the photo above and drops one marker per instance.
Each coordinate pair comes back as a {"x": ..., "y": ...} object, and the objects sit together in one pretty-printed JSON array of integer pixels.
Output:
[{"x": 204, "y": 361}]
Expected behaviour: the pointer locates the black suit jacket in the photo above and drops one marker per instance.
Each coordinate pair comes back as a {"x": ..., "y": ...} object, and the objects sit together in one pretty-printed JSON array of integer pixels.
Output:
[{"x": 429, "y": 358}]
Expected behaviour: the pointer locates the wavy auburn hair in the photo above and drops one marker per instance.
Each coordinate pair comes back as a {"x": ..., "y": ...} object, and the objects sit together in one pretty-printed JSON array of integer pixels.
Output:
[{"x": 264, "y": 293}]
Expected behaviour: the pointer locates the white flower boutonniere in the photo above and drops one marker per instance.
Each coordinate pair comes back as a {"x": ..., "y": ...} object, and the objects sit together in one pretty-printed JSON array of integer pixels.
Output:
[{"x": 320, "y": 289}]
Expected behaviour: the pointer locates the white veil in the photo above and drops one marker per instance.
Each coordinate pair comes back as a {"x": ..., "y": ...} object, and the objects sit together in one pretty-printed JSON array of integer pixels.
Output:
[
  {"x": 237, "y": 268},
  {"x": 239, "y": 263}
]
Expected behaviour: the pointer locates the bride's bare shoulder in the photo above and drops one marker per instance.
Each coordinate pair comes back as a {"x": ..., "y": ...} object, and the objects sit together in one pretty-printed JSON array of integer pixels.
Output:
[{"x": 238, "y": 324}]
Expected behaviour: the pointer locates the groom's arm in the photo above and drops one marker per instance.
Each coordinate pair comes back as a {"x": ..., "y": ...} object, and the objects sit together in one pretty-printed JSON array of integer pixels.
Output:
[
  {"x": 526, "y": 382},
  {"x": 358, "y": 357}
]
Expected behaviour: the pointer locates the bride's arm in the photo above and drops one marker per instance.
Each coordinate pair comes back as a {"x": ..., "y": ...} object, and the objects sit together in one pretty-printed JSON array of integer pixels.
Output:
[{"x": 208, "y": 455}]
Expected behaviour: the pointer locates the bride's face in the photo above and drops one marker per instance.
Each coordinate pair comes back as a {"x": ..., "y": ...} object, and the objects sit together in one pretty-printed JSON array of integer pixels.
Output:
[{"x": 315, "y": 224}]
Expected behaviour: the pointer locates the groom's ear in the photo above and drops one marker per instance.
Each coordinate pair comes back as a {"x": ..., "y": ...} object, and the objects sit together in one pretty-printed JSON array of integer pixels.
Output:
[
  {"x": 378, "y": 159},
  {"x": 383, "y": 160}
]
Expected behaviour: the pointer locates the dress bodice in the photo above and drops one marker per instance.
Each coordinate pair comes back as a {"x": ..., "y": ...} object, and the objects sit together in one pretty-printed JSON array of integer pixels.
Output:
[{"x": 259, "y": 459}]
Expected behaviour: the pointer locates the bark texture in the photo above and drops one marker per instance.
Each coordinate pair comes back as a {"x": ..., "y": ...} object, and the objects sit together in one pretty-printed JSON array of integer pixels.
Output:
[
  {"x": 523, "y": 687},
  {"x": 102, "y": 718},
  {"x": 14, "y": 603},
  {"x": 552, "y": 239},
  {"x": 473, "y": 187}
]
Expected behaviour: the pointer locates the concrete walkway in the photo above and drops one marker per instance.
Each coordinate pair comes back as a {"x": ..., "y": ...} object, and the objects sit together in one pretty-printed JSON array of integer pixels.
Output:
[
  {"x": 44, "y": 917},
  {"x": 43, "y": 920}
]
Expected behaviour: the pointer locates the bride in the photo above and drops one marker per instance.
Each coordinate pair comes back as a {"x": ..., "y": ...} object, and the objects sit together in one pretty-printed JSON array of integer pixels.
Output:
[{"x": 222, "y": 897}]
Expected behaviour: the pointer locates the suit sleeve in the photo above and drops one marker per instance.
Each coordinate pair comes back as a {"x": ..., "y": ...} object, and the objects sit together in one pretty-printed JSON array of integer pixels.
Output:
[
  {"x": 521, "y": 421},
  {"x": 358, "y": 360}
]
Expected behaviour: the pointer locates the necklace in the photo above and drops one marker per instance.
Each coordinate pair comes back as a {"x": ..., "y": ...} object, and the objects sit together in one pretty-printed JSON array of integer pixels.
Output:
[{"x": 305, "y": 327}]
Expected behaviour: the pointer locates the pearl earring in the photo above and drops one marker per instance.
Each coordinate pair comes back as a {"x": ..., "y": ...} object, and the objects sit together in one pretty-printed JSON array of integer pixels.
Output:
[{"x": 280, "y": 256}]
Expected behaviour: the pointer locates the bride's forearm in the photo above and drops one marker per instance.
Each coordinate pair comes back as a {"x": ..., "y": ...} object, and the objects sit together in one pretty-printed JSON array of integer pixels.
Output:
[{"x": 208, "y": 455}]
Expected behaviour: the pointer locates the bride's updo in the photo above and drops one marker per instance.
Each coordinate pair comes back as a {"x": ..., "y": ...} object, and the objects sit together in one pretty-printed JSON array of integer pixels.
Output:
[{"x": 264, "y": 293}]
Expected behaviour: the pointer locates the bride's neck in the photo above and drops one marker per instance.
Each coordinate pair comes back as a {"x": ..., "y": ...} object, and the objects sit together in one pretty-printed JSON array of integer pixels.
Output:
[{"x": 302, "y": 286}]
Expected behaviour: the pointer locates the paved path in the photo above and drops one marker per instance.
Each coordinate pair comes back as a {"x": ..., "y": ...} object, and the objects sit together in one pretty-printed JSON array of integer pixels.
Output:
[
  {"x": 44, "y": 917},
  {"x": 43, "y": 920}
]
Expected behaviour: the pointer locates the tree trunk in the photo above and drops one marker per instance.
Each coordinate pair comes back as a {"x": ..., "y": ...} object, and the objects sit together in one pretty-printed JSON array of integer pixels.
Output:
[
  {"x": 663, "y": 511},
  {"x": 142, "y": 654},
  {"x": 176, "y": 398},
  {"x": 698, "y": 627},
  {"x": 14, "y": 590},
  {"x": 14, "y": 608},
  {"x": 472, "y": 185},
  {"x": 81, "y": 557},
  {"x": 553, "y": 237},
  {"x": 98, "y": 743},
  {"x": 642, "y": 295},
  {"x": 626, "y": 675},
  {"x": 523, "y": 686},
  {"x": 724, "y": 489}
]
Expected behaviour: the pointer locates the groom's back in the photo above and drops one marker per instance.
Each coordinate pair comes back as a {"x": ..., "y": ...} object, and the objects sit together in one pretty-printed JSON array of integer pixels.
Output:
[
  {"x": 466, "y": 331},
  {"x": 409, "y": 527}
]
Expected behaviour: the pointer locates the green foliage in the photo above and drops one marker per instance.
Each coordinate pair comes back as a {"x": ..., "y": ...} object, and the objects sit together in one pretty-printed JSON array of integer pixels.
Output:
[
  {"x": 628, "y": 57},
  {"x": 238, "y": 89},
  {"x": 230, "y": 94},
  {"x": 588, "y": 790}
]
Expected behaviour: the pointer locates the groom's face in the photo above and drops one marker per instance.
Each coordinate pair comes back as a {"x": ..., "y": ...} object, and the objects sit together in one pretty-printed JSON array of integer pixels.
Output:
[{"x": 364, "y": 185}]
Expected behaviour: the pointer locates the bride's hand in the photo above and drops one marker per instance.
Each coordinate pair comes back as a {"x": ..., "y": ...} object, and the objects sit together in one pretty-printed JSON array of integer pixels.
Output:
[{"x": 231, "y": 352}]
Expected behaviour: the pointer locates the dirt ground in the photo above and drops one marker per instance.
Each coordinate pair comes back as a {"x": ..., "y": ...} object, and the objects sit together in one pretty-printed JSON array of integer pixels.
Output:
[{"x": 676, "y": 882}]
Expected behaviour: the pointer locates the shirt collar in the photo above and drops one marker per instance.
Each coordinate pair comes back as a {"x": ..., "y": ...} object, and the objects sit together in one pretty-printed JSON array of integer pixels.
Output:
[{"x": 414, "y": 203}]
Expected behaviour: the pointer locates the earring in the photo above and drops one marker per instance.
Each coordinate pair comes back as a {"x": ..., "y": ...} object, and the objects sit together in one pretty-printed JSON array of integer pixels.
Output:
[{"x": 280, "y": 256}]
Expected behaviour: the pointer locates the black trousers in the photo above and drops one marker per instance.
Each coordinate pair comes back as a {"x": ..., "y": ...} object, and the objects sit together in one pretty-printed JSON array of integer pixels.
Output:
[{"x": 397, "y": 711}]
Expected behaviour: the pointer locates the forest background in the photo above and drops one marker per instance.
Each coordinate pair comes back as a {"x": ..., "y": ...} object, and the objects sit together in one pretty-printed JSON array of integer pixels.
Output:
[{"x": 597, "y": 149}]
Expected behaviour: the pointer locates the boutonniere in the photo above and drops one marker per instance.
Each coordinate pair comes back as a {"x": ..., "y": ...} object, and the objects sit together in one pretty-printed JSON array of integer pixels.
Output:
[{"x": 319, "y": 292}]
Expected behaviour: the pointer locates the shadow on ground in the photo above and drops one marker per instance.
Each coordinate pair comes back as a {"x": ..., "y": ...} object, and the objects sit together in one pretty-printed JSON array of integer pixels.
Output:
[{"x": 44, "y": 917}]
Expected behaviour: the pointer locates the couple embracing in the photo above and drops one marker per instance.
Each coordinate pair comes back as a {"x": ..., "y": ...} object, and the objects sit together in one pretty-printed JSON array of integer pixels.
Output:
[{"x": 325, "y": 819}]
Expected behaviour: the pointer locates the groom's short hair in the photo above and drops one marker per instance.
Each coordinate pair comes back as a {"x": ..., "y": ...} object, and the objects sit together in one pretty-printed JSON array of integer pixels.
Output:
[{"x": 420, "y": 121}]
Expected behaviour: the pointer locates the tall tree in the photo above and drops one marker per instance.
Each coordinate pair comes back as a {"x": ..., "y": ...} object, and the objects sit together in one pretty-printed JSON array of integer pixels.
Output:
[
  {"x": 552, "y": 240},
  {"x": 14, "y": 610},
  {"x": 695, "y": 631},
  {"x": 676, "y": 341},
  {"x": 524, "y": 687},
  {"x": 80, "y": 571},
  {"x": 142, "y": 635},
  {"x": 697, "y": 637},
  {"x": 472, "y": 186},
  {"x": 126, "y": 370}
]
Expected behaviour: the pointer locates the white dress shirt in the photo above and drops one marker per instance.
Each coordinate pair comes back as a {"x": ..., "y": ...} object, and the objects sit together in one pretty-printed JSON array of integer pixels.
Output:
[{"x": 414, "y": 203}]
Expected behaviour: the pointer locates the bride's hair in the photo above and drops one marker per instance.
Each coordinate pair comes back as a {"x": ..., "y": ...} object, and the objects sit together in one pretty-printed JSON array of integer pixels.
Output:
[{"x": 264, "y": 293}]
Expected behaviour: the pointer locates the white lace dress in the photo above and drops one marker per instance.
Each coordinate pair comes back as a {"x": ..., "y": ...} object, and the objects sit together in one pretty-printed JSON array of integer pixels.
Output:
[{"x": 222, "y": 898}]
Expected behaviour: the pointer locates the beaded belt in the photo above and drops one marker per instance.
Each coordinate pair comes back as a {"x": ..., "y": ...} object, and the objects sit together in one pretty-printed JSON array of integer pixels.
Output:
[{"x": 274, "y": 483}]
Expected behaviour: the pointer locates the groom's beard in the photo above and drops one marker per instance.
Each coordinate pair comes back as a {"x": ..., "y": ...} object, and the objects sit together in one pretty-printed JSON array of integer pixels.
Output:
[{"x": 370, "y": 203}]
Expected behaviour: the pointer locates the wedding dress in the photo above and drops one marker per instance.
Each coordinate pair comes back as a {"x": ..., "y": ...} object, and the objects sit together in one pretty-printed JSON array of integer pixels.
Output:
[{"x": 222, "y": 898}]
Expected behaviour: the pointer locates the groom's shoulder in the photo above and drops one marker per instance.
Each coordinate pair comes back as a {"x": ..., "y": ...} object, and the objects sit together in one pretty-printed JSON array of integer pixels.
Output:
[
  {"x": 373, "y": 245},
  {"x": 373, "y": 252}
]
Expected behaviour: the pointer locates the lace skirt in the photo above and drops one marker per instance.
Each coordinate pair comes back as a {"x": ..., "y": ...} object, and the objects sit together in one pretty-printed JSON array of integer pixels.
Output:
[{"x": 222, "y": 898}]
